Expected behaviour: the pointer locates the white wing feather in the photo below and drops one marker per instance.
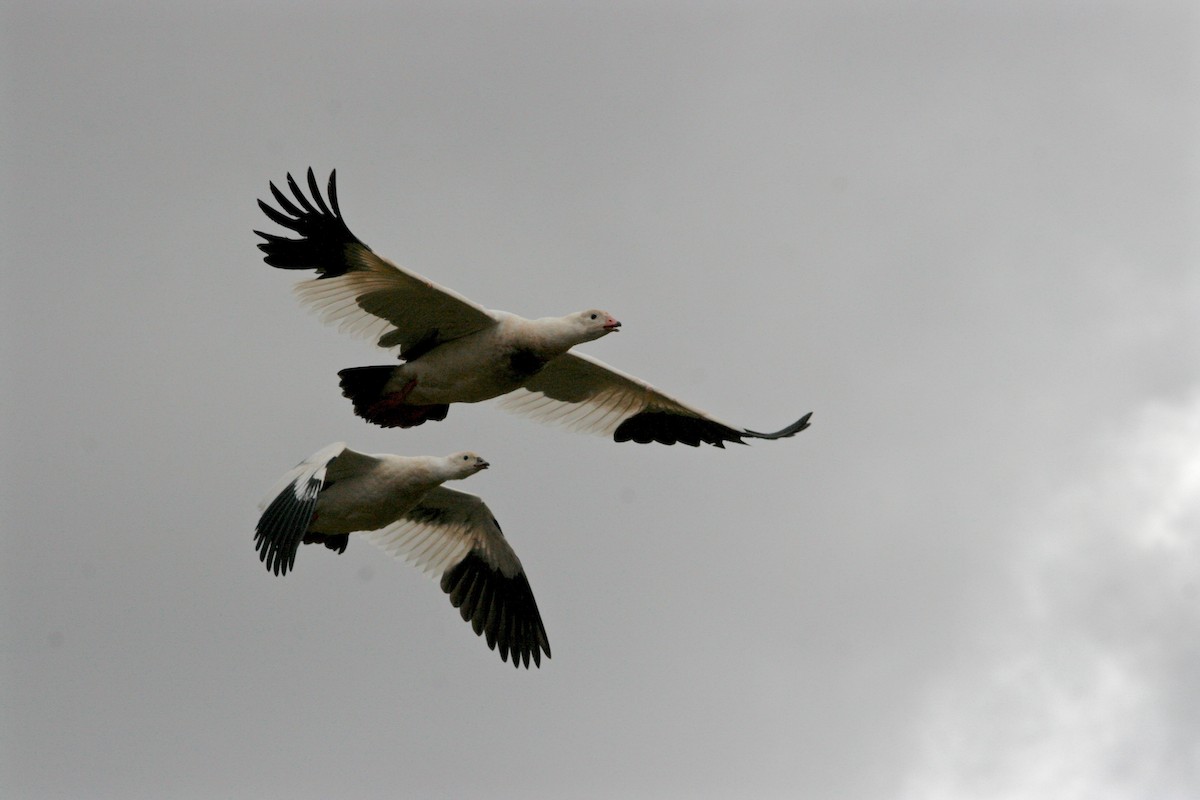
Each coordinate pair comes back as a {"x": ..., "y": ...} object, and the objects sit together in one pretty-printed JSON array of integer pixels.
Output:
[
  {"x": 442, "y": 530},
  {"x": 586, "y": 395}
]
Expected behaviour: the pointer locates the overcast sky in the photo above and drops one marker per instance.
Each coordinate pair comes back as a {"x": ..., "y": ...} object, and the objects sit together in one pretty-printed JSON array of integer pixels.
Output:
[{"x": 965, "y": 239}]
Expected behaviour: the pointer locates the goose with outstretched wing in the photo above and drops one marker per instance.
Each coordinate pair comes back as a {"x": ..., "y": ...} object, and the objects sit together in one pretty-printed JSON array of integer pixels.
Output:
[
  {"x": 455, "y": 351},
  {"x": 400, "y": 504}
]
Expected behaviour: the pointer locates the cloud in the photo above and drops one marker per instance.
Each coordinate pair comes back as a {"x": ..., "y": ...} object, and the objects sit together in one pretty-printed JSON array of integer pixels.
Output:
[{"x": 1081, "y": 684}]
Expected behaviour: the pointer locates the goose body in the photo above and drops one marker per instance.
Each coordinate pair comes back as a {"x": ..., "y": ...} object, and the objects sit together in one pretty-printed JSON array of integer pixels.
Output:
[
  {"x": 453, "y": 350},
  {"x": 400, "y": 505}
]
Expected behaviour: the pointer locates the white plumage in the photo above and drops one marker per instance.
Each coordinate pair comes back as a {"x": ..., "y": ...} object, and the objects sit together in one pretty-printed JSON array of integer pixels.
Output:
[
  {"x": 454, "y": 351},
  {"x": 399, "y": 503}
]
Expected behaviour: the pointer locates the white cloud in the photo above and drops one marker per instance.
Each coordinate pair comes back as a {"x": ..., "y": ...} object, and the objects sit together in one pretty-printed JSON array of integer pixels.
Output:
[{"x": 1080, "y": 685}]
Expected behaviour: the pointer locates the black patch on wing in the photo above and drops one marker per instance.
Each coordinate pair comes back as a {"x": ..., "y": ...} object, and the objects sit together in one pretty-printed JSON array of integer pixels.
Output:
[
  {"x": 284, "y": 524},
  {"x": 334, "y": 541},
  {"x": 525, "y": 363},
  {"x": 500, "y": 608},
  {"x": 666, "y": 427},
  {"x": 324, "y": 236}
]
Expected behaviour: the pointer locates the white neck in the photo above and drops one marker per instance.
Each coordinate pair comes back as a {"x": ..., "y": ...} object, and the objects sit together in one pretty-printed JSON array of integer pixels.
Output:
[{"x": 559, "y": 334}]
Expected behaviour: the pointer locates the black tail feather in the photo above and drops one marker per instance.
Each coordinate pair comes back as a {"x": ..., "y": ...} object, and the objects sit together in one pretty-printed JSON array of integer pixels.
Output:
[{"x": 365, "y": 388}]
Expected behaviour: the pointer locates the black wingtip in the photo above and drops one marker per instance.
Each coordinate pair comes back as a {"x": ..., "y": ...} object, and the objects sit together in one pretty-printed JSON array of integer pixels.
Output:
[
  {"x": 499, "y": 608},
  {"x": 790, "y": 430},
  {"x": 283, "y": 525},
  {"x": 332, "y": 190},
  {"x": 666, "y": 427},
  {"x": 324, "y": 236}
]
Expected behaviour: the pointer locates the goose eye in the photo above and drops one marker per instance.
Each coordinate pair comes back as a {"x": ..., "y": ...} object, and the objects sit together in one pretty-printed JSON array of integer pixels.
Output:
[{"x": 593, "y": 316}]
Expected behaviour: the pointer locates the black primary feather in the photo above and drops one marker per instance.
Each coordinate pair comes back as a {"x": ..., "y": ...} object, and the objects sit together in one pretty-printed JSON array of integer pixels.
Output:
[
  {"x": 324, "y": 236},
  {"x": 499, "y": 608},
  {"x": 668, "y": 428},
  {"x": 336, "y": 542},
  {"x": 284, "y": 524}
]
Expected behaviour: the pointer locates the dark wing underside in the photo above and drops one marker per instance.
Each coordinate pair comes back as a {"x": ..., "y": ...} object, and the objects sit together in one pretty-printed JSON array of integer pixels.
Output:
[
  {"x": 668, "y": 427},
  {"x": 500, "y": 608}
]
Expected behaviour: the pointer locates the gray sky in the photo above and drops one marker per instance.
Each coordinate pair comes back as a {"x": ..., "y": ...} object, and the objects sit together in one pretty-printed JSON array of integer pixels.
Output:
[{"x": 965, "y": 239}]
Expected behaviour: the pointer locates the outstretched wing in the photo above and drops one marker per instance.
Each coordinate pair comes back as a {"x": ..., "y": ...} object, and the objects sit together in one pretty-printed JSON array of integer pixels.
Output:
[
  {"x": 288, "y": 509},
  {"x": 356, "y": 289},
  {"x": 587, "y": 395},
  {"x": 454, "y": 533}
]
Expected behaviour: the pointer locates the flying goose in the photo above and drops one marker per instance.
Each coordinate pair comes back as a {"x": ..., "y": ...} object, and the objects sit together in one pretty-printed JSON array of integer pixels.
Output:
[
  {"x": 453, "y": 350},
  {"x": 399, "y": 504}
]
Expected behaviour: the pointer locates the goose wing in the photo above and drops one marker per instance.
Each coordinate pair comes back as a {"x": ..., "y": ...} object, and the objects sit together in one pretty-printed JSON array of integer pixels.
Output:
[
  {"x": 287, "y": 510},
  {"x": 588, "y": 395},
  {"x": 356, "y": 289},
  {"x": 454, "y": 534}
]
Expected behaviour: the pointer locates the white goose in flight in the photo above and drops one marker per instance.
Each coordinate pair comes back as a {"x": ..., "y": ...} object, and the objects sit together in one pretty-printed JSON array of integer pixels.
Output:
[
  {"x": 455, "y": 351},
  {"x": 399, "y": 504}
]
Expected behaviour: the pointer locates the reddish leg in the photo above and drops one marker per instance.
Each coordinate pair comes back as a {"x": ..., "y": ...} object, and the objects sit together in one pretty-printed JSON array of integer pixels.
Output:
[
  {"x": 391, "y": 410},
  {"x": 390, "y": 403},
  {"x": 403, "y": 394}
]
